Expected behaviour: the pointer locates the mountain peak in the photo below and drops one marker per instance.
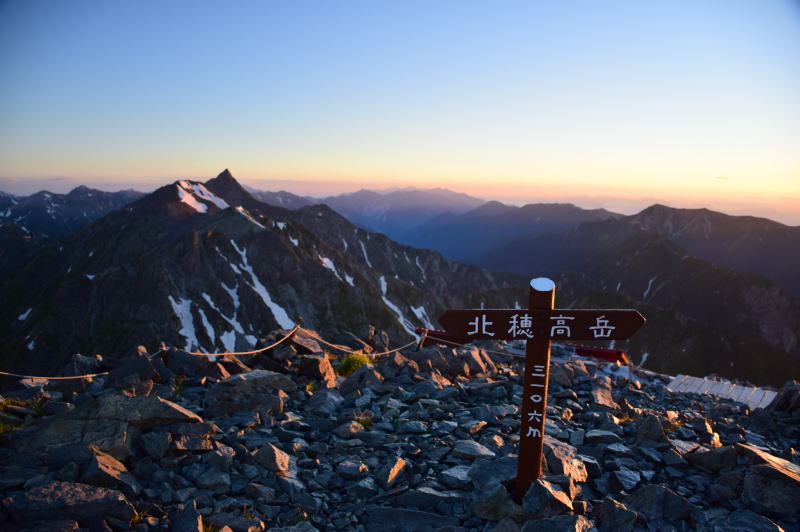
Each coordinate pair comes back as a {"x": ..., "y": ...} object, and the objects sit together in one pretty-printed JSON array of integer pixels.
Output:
[{"x": 228, "y": 188}]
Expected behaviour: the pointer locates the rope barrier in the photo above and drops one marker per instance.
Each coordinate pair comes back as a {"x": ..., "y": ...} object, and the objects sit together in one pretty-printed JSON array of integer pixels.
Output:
[
  {"x": 237, "y": 353},
  {"x": 288, "y": 335},
  {"x": 395, "y": 350},
  {"x": 317, "y": 337},
  {"x": 36, "y": 377},
  {"x": 503, "y": 353}
]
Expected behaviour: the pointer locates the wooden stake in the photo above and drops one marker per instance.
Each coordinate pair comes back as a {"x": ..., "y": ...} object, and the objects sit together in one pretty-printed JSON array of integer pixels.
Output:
[{"x": 534, "y": 396}]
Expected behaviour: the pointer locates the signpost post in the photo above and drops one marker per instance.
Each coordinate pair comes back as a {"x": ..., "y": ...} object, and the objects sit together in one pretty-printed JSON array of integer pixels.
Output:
[{"x": 538, "y": 325}]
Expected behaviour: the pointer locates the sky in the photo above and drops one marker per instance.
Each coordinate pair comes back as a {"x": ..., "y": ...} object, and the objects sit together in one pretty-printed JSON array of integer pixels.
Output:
[{"x": 616, "y": 103}]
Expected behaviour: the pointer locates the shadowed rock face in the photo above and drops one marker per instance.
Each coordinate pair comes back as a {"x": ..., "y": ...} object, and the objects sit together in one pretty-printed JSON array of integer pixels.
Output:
[
  {"x": 205, "y": 266},
  {"x": 393, "y": 449}
]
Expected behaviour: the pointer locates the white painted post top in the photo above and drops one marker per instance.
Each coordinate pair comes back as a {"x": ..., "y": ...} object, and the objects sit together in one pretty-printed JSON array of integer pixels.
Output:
[{"x": 543, "y": 284}]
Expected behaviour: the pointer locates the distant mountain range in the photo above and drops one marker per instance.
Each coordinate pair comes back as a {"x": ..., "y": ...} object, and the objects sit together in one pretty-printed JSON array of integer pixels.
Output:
[
  {"x": 213, "y": 266},
  {"x": 28, "y": 222},
  {"x": 468, "y": 236}
]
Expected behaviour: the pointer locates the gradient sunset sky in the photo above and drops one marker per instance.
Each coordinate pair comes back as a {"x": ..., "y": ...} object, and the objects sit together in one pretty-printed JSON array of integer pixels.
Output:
[{"x": 603, "y": 103}]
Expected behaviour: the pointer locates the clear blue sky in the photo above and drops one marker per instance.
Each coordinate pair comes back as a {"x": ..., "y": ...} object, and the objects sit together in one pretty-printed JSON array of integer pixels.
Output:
[{"x": 678, "y": 101}]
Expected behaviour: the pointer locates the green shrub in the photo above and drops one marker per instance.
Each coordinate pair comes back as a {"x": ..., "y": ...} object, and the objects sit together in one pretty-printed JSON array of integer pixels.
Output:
[{"x": 351, "y": 363}]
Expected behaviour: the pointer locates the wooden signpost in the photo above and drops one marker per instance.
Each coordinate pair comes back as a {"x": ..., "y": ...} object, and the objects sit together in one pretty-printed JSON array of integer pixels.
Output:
[{"x": 538, "y": 325}]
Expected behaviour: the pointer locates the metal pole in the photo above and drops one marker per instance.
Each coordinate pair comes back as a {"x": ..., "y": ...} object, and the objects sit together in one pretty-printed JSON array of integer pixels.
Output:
[{"x": 534, "y": 396}]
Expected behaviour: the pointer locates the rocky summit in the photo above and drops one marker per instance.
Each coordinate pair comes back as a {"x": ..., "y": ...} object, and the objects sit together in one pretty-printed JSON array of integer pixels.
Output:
[{"x": 299, "y": 438}]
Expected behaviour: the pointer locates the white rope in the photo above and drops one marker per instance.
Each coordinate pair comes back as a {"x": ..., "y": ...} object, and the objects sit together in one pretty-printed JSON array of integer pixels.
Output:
[{"x": 237, "y": 353}]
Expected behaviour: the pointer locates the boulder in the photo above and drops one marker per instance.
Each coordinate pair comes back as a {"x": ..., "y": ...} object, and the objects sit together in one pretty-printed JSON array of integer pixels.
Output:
[
  {"x": 187, "y": 520},
  {"x": 659, "y": 505},
  {"x": 559, "y": 523},
  {"x": 70, "y": 500},
  {"x": 272, "y": 458},
  {"x": 544, "y": 499},
  {"x": 601, "y": 393},
  {"x": 317, "y": 367},
  {"x": 714, "y": 460},
  {"x": 106, "y": 471},
  {"x": 388, "y": 519},
  {"x": 390, "y": 472},
  {"x": 471, "y": 449},
  {"x": 360, "y": 379},
  {"x": 613, "y": 516},
  {"x": 649, "y": 428}
]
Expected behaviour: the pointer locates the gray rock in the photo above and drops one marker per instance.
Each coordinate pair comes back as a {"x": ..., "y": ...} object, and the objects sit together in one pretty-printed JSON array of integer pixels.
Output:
[
  {"x": 235, "y": 522},
  {"x": 613, "y": 516},
  {"x": 601, "y": 393},
  {"x": 715, "y": 459},
  {"x": 302, "y": 526},
  {"x": 507, "y": 525},
  {"x": 559, "y": 523},
  {"x": 625, "y": 479},
  {"x": 576, "y": 437},
  {"x": 387, "y": 519},
  {"x": 412, "y": 427},
  {"x": 215, "y": 480},
  {"x": 659, "y": 504},
  {"x": 428, "y": 499},
  {"x": 259, "y": 380},
  {"x": 649, "y": 428},
  {"x": 562, "y": 460},
  {"x": 325, "y": 402},
  {"x": 348, "y": 430},
  {"x": 602, "y": 436},
  {"x": 317, "y": 367},
  {"x": 771, "y": 485},
  {"x": 360, "y": 379},
  {"x": 187, "y": 520},
  {"x": 486, "y": 475},
  {"x": 471, "y": 449},
  {"x": 72, "y": 500},
  {"x": 745, "y": 521},
  {"x": 390, "y": 472},
  {"x": 366, "y": 487},
  {"x": 455, "y": 477},
  {"x": 351, "y": 469},
  {"x": 544, "y": 499},
  {"x": 497, "y": 504},
  {"x": 156, "y": 444},
  {"x": 272, "y": 458},
  {"x": 106, "y": 471}
]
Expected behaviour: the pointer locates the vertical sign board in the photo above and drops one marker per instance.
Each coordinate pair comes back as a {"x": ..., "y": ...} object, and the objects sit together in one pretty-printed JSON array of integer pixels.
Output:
[{"x": 538, "y": 325}]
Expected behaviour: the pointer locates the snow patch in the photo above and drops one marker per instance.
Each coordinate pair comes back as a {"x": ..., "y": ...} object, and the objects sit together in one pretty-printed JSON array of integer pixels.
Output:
[
  {"x": 364, "y": 250},
  {"x": 209, "y": 329},
  {"x": 294, "y": 241},
  {"x": 349, "y": 280},
  {"x": 191, "y": 201},
  {"x": 247, "y": 215},
  {"x": 422, "y": 271},
  {"x": 280, "y": 225},
  {"x": 90, "y": 276},
  {"x": 199, "y": 191},
  {"x": 328, "y": 263},
  {"x": 24, "y": 315},
  {"x": 649, "y": 285},
  {"x": 422, "y": 316},
  {"x": 277, "y": 311},
  {"x": 183, "y": 310},
  {"x": 401, "y": 317},
  {"x": 31, "y": 345},
  {"x": 228, "y": 340},
  {"x": 382, "y": 280},
  {"x": 344, "y": 243}
]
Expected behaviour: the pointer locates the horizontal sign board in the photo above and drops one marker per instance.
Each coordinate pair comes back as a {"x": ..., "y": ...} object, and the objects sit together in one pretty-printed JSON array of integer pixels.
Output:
[{"x": 523, "y": 324}]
